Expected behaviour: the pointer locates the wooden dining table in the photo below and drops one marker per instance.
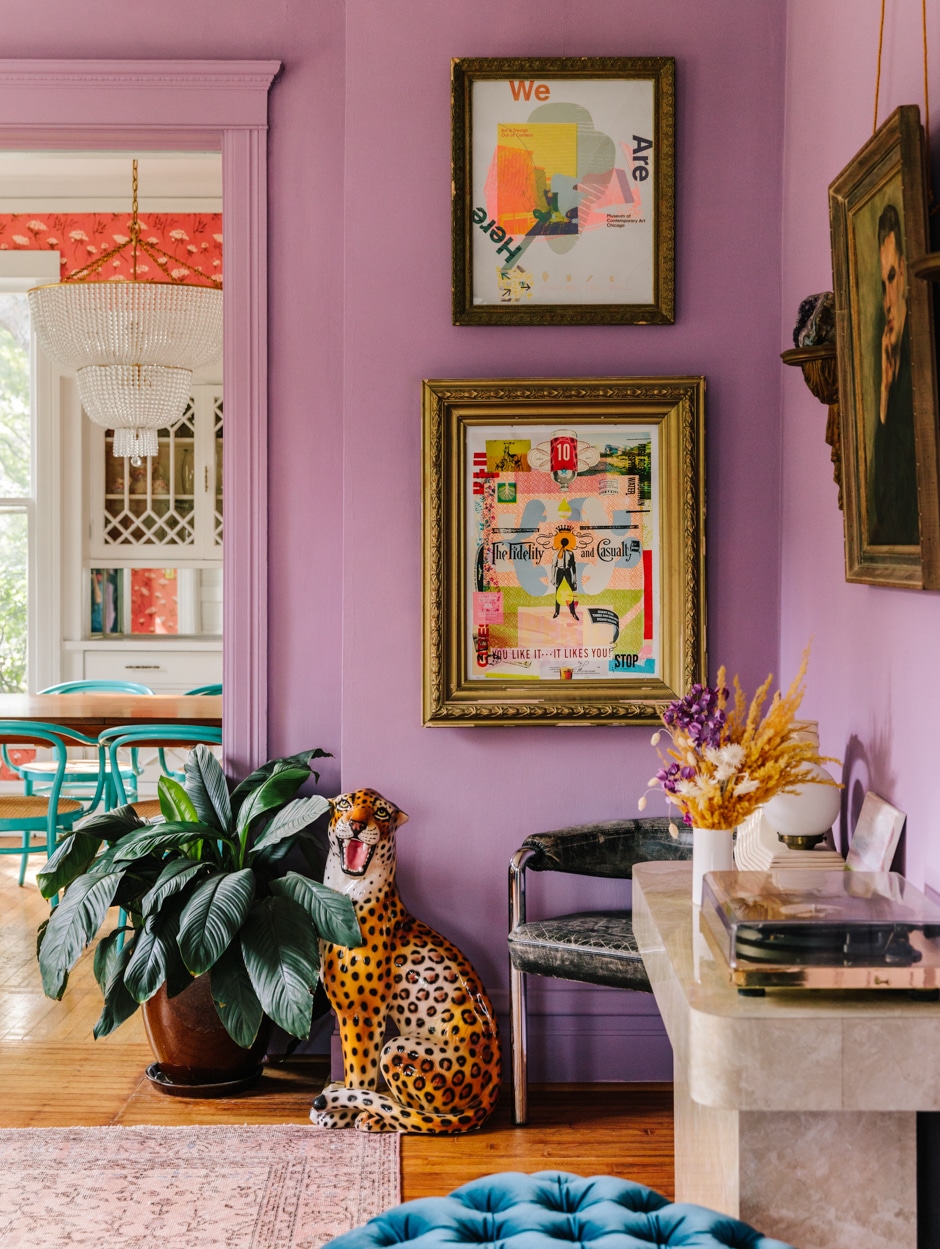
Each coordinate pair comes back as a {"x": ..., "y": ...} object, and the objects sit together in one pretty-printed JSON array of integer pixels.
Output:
[{"x": 90, "y": 713}]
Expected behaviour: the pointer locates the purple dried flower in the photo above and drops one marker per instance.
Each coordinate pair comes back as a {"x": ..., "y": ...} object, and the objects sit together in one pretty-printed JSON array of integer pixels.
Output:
[
  {"x": 667, "y": 777},
  {"x": 698, "y": 715}
]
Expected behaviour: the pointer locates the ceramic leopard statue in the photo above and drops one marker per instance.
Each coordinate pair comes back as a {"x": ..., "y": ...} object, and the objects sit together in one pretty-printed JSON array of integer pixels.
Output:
[{"x": 441, "y": 1073}]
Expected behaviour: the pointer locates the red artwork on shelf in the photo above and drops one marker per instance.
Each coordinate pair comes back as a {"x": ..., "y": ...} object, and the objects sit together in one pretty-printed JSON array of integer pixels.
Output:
[{"x": 154, "y": 602}]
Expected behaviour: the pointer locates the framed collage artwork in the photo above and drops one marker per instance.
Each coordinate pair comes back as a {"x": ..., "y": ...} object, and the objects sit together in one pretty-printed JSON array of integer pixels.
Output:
[
  {"x": 563, "y": 191},
  {"x": 887, "y": 360},
  {"x": 563, "y": 543}
]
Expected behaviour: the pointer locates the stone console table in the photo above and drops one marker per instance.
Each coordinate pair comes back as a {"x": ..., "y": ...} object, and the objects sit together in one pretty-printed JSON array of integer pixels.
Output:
[{"x": 796, "y": 1111}]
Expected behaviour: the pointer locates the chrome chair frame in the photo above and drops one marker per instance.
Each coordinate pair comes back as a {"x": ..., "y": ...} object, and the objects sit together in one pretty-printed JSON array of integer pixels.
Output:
[{"x": 608, "y": 849}]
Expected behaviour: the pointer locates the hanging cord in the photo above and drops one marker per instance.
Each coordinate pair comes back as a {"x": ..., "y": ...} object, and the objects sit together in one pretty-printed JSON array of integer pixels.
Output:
[
  {"x": 923, "y": 15},
  {"x": 881, "y": 39},
  {"x": 932, "y": 207}
]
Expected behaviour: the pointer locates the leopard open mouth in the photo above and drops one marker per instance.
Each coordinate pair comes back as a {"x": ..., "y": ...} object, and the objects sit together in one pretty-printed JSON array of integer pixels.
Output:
[{"x": 356, "y": 856}]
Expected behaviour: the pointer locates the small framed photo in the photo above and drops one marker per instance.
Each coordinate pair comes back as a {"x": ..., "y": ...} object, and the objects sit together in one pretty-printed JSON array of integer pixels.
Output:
[
  {"x": 886, "y": 360},
  {"x": 564, "y": 191},
  {"x": 876, "y": 836},
  {"x": 564, "y": 549}
]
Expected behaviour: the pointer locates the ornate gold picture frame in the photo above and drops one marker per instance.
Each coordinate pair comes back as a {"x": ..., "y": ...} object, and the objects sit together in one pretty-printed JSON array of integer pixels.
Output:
[
  {"x": 886, "y": 360},
  {"x": 564, "y": 191},
  {"x": 563, "y": 544}
]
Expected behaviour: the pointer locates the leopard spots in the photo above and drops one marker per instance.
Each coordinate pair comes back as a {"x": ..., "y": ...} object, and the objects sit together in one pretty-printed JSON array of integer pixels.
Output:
[{"x": 407, "y": 975}]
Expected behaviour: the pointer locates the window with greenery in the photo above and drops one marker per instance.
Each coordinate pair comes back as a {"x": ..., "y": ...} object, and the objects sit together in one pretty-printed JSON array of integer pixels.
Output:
[{"x": 15, "y": 489}]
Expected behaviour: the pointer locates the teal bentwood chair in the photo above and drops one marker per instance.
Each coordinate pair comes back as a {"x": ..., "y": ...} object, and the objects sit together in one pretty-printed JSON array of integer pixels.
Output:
[
  {"x": 81, "y": 774},
  {"x": 97, "y": 687},
  {"x": 165, "y": 767},
  {"x": 133, "y": 736},
  {"x": 43, "y": 815},
  {"x": 162, "y": 736}
]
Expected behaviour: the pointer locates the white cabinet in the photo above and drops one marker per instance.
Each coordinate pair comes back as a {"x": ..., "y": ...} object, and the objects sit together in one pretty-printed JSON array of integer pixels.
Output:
[
  {"x": 167, "y": 509},
  {"x": 142, "y": 546},
  {"x": 167, "y": 667}
]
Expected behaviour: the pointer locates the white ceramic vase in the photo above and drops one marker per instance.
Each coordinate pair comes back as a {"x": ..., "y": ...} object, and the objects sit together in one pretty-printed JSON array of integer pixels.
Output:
[{"x": 711, "y": 852}]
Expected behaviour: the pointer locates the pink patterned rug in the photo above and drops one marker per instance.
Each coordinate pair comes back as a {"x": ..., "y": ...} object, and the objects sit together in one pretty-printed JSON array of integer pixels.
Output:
[{"x": 271, "y": 1187}]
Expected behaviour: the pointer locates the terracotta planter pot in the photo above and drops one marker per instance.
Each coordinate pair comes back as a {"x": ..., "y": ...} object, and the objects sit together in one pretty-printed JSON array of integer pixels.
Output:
[{"x": 189, "y": 1040}]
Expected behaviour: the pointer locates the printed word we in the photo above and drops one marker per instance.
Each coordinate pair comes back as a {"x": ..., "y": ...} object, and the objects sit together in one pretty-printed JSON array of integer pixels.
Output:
[{"x": 527, "y": 89}]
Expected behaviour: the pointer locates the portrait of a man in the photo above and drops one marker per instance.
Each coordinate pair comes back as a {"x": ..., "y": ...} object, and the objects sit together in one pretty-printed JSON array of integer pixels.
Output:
[
  {"x": 889, "y": 414},
  {"x": 892, "y": 470}
]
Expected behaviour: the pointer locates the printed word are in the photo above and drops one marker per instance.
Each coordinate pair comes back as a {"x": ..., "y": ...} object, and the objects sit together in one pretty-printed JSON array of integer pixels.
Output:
[{"x": 641, "y": 160}]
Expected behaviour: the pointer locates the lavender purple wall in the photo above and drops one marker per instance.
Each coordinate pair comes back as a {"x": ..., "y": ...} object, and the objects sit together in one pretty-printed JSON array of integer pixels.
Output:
[
  {"x": 873, "y": 683},
  {"x": 473, "y": 794},
  {"x": 359, "y": 313},
  {"x": 873, "y": 673}
]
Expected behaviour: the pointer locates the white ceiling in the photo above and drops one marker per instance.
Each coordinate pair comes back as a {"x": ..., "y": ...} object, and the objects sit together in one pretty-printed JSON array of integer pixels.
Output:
[{"x": 101, "y": 181}]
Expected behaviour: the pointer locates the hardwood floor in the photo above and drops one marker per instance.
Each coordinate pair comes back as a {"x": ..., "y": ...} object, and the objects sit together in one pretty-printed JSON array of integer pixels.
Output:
[{"x": 53, "y": 1074}]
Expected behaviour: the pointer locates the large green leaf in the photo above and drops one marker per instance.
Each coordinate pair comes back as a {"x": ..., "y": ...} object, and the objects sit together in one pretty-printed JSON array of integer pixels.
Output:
[
  {"x": 162, "y": 837},
  {"x": 72, "y": 925},
  {"x": 106, "y": 957},
  {"x": 178, "y": 977},
  {"x": 279, "y": 788},
  {"x": 175, "y": 804},
  {"x": 280, "y": 951},
  {"x": 72, "y": 857},
  {"x": 118, "y": 1003},
  {"x": 208, "y": 788},
  {"x": 146, "y": 971},
  {"x": 138, "y": 879},
  {"x": 297, "y": 815},
  {"x": 113, "y": 825},
  {"x": 235, "y": 1000},
  {"x": 333, "y": 914},
  {"x": 251, "y": 782},
  {"x": 173, "y": 879},
  {"x": 212, "y": 917}
]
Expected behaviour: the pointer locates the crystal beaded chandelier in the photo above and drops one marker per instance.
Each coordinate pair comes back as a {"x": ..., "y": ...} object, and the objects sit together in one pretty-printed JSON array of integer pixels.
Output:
[{"x": 133, "y": 345}]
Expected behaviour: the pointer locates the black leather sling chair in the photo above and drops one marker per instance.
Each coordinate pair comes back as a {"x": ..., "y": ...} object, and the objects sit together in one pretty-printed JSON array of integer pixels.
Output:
[{"x": 596, "y": 947}]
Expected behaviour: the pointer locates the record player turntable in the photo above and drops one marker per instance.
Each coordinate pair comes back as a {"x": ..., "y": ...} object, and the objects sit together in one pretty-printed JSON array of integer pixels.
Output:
[{"x": 823, "y": 929}]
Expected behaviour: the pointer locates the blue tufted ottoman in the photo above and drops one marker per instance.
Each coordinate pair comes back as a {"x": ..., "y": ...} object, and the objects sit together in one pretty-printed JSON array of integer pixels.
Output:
[{"x": 548, "y": 1210}]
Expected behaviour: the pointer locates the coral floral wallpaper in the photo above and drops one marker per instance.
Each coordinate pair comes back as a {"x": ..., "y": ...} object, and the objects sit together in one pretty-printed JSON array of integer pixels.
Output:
[{"x": 189, "y": 239}]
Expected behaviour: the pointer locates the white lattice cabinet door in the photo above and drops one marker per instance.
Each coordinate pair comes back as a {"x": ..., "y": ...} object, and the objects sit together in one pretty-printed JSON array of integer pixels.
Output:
[{"x": 169, "y": 508}]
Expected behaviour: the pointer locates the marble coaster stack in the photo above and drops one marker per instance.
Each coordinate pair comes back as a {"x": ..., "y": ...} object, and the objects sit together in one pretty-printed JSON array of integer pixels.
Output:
[{"x": 757, "y": 848}]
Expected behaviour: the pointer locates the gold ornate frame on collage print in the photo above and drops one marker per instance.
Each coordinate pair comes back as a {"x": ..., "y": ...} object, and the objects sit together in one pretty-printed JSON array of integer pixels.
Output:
[{"x": 563, "y": 544}]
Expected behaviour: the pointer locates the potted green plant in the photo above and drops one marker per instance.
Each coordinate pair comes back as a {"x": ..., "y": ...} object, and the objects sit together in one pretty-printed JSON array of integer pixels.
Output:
[{"x": 215, "y": 916}]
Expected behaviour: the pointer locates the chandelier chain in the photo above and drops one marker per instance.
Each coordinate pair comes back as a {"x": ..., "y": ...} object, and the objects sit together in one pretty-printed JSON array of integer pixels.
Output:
[
  {"x": 157, "y": 254},
  {"x": 135, "y": 221}
]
